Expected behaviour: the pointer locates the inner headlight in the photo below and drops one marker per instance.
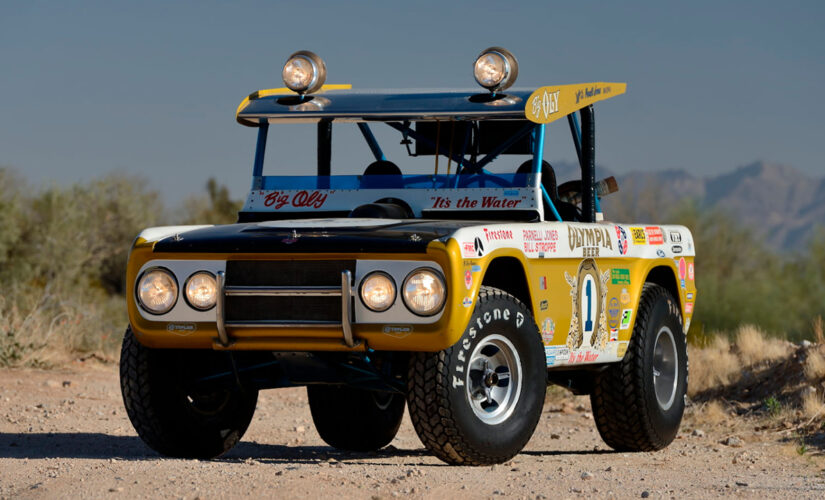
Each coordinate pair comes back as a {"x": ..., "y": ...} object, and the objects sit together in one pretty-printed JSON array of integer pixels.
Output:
[
  {"x": 424, "y": 292},
  {"x": 157, "y": 290},
  {"x": 495, "y": 69},
  {"x": 201, "y": 290},
  {"x": 378, "y": 291},
  {"x": 304, "y": 72}
]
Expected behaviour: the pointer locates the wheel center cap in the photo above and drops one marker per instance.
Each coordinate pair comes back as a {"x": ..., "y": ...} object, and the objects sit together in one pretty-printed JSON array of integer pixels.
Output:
[{"x": 491, "y": 379}]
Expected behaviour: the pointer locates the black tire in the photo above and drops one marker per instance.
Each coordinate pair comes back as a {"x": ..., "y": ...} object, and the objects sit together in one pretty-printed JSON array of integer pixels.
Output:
[
  {"x": 355, "y": 419},
  {"x": 172, "y": 420},
  {"x": 460, "y": 428},
  {"x": 629, "y": 413}
]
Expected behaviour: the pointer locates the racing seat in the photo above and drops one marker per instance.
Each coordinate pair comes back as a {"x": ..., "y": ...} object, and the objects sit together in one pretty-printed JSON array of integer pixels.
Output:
[
  {"x": 383, "y": 174},
  {"x": 567, "y": 211},
  {"x": 390, "y": 175}
]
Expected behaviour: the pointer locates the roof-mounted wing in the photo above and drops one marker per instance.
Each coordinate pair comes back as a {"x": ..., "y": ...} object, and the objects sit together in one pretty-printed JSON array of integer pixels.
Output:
[
  {"x": 542, "y": 106},
  {"x": 548, "y": 104}
]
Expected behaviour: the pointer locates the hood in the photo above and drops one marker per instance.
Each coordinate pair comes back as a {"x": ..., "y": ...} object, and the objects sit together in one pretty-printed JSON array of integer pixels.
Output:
[{"x": 314, "y": 236}]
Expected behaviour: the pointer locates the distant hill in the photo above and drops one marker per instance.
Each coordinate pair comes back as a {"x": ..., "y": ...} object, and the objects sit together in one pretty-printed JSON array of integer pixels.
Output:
[{"x": 777, "y": 202}]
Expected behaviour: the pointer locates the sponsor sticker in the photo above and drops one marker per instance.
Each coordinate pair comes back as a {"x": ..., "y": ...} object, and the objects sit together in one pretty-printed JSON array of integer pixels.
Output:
[
  {"x": 627, "y": 314},
  {"x": 676, "y": 249},
  {"x": 476, "y": 268},
  {"x": 543, "y": 305},
  {"x": 690, "y": 272},
  {"x": 682, "y": 268},
  {"x": 613, "y": 313},
  {"x": 589, "y": 239},
  {"x": 543, "y": 283},
  {"x": 654, "y": 235},
  {"x": 467, "y": 249},
  {"x": 614, "y": 334},
  {"x": 468, "y": 279},
  {"x": 498, "y": 234},
  {"x": 660, "y": 253},
  {"x": 620, "y": 276},
  {"x": 467, "y": 302},
  {"x": 621, "y": 349},
  {"x": 638, "y": 234},
  {"x": 548, "y": 330},
  {"x": 397, "y": 331},
  {"x": 478, "y": 246},
  {"x": 688, "y": 307},
  {"x": 621, "y": 234},
  {"x": 540, "y": 240},
  {"x": 675, "y": 237},
  {"x": 625, "y": 297},
  {"x": 182, "y": 329},
  {"x": 689, "y": 296}
]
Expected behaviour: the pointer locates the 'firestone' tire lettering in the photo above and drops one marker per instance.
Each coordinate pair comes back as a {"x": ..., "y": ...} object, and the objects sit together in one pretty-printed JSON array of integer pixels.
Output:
[{"x": 466, "y": 343}]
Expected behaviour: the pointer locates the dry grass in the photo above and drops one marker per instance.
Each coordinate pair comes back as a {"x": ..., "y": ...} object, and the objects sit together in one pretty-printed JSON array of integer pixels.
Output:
[
  {"x": 712, "y": 366},
  {"x": 43, "y": 331},
  {"x": 818, "y": 327},
  {"x": 712, "y": 413},
  {"x": 812, "y": 405},
  {"x": 754, "y": 346},
  {"x": 815, "y": 364}
]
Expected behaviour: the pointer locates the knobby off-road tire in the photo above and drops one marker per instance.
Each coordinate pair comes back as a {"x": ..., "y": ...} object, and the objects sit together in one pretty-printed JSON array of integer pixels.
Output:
[
  {"x": 478, "y": 402},
  {"x": 355, "y": 419},
  {"x": 171, "y": 420},
  {"x": 638, "y": 403}
]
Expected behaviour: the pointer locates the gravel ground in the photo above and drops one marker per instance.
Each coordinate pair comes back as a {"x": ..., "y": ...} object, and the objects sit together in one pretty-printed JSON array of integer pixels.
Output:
[{"x": 65, "y": 434}]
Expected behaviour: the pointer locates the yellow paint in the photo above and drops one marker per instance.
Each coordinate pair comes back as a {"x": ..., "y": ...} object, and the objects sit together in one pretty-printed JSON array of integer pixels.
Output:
[
  {"x": 282, "y": 91},
  {"x": 548, "y": 104},
  {"x": 427, "y": 337}
]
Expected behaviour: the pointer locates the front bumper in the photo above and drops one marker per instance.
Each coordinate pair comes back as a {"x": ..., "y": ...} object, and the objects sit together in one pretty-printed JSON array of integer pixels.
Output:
[{"x": 353, "y": 328}]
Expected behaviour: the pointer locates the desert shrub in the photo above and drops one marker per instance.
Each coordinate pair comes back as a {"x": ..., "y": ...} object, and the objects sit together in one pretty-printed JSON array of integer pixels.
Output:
[
  {"x": 64, "y": 252},
  {"x": 215, "y": 208}
]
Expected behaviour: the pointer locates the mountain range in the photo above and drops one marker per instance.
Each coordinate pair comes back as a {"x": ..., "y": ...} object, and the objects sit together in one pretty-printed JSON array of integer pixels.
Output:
[{"x": 777, "y": 202}]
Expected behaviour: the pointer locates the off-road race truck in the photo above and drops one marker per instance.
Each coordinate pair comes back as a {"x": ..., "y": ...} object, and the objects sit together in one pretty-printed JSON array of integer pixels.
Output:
[{"x": 459, "y": 292}]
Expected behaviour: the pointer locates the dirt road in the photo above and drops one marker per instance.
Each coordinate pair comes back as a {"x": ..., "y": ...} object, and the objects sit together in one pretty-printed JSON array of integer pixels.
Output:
[{"x": 65, "y": 434}]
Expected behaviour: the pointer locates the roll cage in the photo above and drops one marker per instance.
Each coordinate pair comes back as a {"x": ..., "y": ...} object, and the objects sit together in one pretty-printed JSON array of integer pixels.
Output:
[{"x": 470, "y": 130}]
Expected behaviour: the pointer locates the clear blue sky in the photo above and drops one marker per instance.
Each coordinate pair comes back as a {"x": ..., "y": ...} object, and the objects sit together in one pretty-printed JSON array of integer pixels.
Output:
[{"x": 151, "y": 87}]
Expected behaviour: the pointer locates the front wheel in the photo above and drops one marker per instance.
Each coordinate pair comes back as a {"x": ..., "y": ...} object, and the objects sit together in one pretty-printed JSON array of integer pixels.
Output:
[
  {"x": 176, "y": 418},
  {"x": 479, "y": 401},
  {"x": 355, "y": 419},
  {"x": 638, "y": 403}
]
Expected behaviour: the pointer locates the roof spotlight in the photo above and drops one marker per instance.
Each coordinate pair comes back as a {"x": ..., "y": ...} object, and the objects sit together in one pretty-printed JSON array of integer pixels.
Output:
[
  {"x": 495, "y": 69},
  {"x": 304, "y": 72}
]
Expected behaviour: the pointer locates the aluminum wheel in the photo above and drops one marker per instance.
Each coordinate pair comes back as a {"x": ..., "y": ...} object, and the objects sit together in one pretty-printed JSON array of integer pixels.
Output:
[
  {"x": 665, "y": 368},
  {"x": 494, "y": 379}
]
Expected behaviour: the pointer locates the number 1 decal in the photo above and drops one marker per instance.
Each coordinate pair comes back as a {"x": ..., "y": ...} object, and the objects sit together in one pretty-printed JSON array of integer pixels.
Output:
[
  {"x": 588, "y": 291},
  {"x": 587, "y": 322}
]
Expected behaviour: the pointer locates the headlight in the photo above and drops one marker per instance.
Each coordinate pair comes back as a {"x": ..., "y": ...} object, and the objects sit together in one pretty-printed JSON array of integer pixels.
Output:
[
  {"x": 304, "y": 72},
  {"x": 157, "y": 290},
  {"x": 201, "y": 290},
  {"x": 495, "y": 69},
  {"x": 378, "y": 291},
  {"x": 424, "y": 292}
]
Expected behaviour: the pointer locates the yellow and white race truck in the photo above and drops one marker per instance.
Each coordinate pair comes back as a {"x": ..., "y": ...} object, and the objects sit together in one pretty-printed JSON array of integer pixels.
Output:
[{"x": 459, "y": 292}]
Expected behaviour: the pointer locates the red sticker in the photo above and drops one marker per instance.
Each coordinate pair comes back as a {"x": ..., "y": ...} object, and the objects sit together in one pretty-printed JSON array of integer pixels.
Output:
[
  {"x": 654, "y": 235},
  {"x": 468, "y": 279},
  {"x": 682, "y": 268}
]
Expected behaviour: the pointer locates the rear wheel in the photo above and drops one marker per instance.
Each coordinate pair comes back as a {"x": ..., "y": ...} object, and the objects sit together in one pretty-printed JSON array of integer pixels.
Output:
[
  {"x": 173, "y": 417},
  {"x": 479, "y": 401},
  {"x": 355, "y": 419},
  {"x": 638, "y": 403}
]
